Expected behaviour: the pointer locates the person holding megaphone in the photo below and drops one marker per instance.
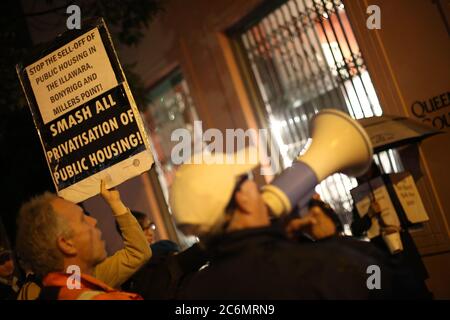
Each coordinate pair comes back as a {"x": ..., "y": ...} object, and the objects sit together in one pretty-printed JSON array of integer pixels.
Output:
[{"x": 248, "y": 257}]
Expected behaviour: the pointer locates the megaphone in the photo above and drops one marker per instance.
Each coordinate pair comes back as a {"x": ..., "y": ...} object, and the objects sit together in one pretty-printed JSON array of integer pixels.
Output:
[{"x": 339, "y": 144}]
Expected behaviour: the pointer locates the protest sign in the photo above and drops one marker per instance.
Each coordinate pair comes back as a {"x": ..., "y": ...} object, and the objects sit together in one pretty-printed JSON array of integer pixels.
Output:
[
  {"x": 362, "y": 197},
  {"x": 409, "y": 197},
  {"x": 85, "y": 114}
]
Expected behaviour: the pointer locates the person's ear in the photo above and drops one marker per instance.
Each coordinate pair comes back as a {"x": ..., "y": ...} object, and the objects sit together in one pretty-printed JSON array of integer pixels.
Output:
[
  {"x": 243, "y": 201},
  {"x": 66, "y": 246}
]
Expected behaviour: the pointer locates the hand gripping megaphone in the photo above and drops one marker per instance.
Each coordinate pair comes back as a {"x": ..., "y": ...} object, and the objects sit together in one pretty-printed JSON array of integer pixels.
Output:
[{"x": 339, "y": 144}]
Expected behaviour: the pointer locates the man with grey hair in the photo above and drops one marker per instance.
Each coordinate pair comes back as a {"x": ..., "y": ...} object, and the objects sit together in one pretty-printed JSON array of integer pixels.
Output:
[{"x": 55, "y": 235}]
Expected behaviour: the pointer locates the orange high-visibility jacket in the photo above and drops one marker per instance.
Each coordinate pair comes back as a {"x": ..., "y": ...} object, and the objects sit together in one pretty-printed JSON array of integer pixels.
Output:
[{"x": 90, "y": 289}]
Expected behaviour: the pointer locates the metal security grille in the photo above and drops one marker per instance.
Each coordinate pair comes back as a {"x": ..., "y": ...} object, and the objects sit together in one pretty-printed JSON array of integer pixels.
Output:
[
  {"x": 303, "y": 57},
  {"x": 170, "y": 107}
]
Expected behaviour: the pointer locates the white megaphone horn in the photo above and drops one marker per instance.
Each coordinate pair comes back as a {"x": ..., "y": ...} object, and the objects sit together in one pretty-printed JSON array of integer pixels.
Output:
[{"x": 339, "y": 144}]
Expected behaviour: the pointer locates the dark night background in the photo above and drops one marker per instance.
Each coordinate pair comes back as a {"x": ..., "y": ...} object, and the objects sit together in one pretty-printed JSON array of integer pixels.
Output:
[{"x": 24, "y": 168}]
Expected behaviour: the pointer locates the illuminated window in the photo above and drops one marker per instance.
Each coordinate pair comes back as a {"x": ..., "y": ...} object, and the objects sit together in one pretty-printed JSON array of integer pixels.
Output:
[
  {"x": 170, "y": 107},
  {"x": 303, "y": 57}
]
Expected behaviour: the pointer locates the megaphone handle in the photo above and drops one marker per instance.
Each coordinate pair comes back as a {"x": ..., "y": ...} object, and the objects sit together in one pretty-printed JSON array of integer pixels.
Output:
[
  {"x": 297, "y": 183},
  {"x": 378, "y": 216}
]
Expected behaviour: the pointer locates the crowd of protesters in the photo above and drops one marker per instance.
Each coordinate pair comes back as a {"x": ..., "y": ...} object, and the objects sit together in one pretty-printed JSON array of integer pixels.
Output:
[{"x": 244, "y": 252}]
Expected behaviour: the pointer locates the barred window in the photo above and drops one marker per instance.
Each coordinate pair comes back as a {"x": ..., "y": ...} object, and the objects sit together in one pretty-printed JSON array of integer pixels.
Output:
[
  {"x": 302, "y": 56},
  {"x": 170, "y": 107}
]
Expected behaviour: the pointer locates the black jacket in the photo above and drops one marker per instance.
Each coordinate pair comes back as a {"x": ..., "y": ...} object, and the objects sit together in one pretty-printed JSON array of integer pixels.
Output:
[
  {"x": 407, "y": 265},
  {"x": 6, "y": 292},
  {"x": 160, "y": 277},
  {"x": 405, "y": 282},
  {"x": 262, "y": 264}
]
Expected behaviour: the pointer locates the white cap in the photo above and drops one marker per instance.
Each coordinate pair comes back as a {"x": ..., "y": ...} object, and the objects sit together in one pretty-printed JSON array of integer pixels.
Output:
[{"x": 201, "y": 191}]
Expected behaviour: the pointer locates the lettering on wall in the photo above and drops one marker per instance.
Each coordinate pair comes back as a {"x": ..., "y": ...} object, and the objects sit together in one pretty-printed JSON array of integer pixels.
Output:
[{"x": 433, "y": 111}]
